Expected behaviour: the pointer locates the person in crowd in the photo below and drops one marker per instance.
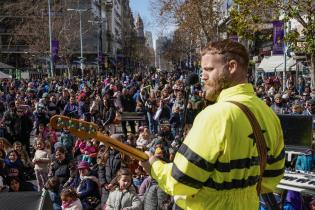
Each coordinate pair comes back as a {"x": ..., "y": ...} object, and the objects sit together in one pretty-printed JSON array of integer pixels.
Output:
[
  {"x": 279, "y": 106},
  {"x": 305, "y": 161},
  {"x": 70, "y": 200},
  {"x": 40, "y": 115},
  {"x": 108, "y": 171},
  {"x": 71, "y": 109},
  {"x": 52, "y": 186},
  {"x": 63, "y": 99},
  {"x": 292, "y": 200},
  {"x": 124, "y": 196},
  {"x": 88, "y": 189},
  {"x": 41, "y": 161},
  {"x": 154, "y": 197},
  {"x": 23, "y": 155},
  {"x": 67, "y": 140},
  {"x": 89, "y": 153},
  {"x": 128, "y": 105},
  {"x": 8, "y": 121},
  {"x": 14, "y": 166},
  {"x": 17, "y": 185},
  {"x": 108, "y": 114},
  {"x": 151, "y": 108},
  {"x": 310, "y": 108},
  {"x": 144, "y": 139},
  {"x": 42, "y": 131},
  {"x": 60, "y": 166},
  {"x": 52, "y": 106},
  {"x": 297, "y": 109}
]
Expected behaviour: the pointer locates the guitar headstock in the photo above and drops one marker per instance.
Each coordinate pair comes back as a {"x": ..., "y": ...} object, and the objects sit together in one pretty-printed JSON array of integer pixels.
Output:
[{"x": 79, "y": 128}]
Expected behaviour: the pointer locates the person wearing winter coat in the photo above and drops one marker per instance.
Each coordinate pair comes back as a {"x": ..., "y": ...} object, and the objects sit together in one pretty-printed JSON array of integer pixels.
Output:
[
  {"x": 14, "y": 166},
  {"x": 124, "y": 196},
  {"x": 52, "y": 186},
  {"x": 67, "y": 140},
  {"x": 60, "y": 166},
  {"x": 305, "y": 162},
  {"x": 108, "y": 171},
  {"x": 70, "y": 200},
  {"x": 154, "y": 197},
  {"x": 71, "y": 109},
  {"x": 88, "y": 189},
  {"x": 107, "y": 115},
  {"x": 41, "y": 161}
]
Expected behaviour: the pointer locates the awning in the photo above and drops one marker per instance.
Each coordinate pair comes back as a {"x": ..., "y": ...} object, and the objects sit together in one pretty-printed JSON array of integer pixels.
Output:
[
  {"x": 275, "y": 63},
  {"x": 4, "y": 76},
  {"x": 6, "y": 66}
]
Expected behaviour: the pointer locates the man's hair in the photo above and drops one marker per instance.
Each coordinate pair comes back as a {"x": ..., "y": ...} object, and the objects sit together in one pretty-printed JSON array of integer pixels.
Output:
[{"x": 230, "y": 50}]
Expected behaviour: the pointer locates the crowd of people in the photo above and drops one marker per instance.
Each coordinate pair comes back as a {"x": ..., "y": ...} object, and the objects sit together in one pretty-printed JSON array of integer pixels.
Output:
[{"x": 87, "y": 174}]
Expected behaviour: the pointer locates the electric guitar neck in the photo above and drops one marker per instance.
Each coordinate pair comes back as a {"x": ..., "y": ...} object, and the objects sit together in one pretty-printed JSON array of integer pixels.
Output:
[{"x": 88, "y": 130}]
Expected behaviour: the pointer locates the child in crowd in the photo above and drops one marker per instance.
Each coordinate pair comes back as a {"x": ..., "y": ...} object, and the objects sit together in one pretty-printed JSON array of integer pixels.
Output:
[
  {"x": 41, "y": 161},
  {"x": 124, "y": 196},
  {"x": 70, "y": 200},
  {"x": 52, "y": 135},
  {"x": 52, "y": 185},
  {"x": 144, "y": 139},
  {"x": 89, "y": 153},
  {"x": 43, "y": 131},
  {"x": 67, "y": 140}
]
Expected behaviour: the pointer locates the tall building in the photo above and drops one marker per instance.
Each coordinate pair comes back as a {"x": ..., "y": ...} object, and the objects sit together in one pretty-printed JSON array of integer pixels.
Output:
[
  {"x": 139, "y": 26},
  {"x": 148, "y": 39},
  {"x": 160, "y": 61}
]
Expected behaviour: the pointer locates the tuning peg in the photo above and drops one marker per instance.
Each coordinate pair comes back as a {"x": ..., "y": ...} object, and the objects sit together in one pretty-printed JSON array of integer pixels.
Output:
[{"x": 60, "y": 122}]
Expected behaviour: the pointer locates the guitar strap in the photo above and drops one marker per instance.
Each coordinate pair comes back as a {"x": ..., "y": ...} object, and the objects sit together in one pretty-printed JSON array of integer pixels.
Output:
[
  {"x": 260, "y": 141},
  {"x": 269, "y": 198}
]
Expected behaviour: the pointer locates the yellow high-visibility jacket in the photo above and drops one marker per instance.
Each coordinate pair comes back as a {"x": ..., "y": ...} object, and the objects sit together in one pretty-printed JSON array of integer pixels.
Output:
[{"x": 217, "y": 166}]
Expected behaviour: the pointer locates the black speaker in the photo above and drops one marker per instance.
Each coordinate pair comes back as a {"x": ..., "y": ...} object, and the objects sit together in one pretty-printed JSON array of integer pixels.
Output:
[
  {"x": 297, "y": 130},
  {"x": 25, "y": 201}
]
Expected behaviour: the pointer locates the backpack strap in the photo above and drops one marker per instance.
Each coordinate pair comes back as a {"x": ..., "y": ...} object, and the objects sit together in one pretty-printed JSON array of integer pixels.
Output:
[{"x": 260, "y": 141}]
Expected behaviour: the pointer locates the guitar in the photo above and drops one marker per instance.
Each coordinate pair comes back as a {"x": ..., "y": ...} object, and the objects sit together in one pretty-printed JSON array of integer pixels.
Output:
[{"x": 88, "y": 130}]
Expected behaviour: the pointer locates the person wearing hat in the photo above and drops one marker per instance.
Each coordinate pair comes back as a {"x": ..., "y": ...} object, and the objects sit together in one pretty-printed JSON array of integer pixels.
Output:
[{"x": 88, "y": 187}]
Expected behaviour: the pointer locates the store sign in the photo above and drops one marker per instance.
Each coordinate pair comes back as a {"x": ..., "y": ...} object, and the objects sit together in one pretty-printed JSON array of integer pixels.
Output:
[{"x": 278, "y": 38}]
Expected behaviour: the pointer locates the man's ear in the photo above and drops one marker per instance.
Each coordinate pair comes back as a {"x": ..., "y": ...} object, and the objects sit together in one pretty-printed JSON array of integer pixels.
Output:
[{"x": 232, "y": 66}]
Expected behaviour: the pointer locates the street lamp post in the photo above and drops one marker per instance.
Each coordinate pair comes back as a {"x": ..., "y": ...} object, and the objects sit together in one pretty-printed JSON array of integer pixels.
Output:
[
  {"x": 50, "y": 42},
  {"x": 81, "y": 41},
  {"x": 99, "y": 21}
]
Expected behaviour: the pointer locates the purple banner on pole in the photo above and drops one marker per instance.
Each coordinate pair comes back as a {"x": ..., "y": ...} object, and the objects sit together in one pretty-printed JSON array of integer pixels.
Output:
[
  {"x": 54, "y": 50},
  {"x": 278, "y": 37},
  {"x": 101, "y": 58}
]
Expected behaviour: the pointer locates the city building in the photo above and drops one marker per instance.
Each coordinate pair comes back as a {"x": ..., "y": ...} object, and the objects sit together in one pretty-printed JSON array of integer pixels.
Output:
[
  {"x": 148, "y": 39},
  {"x": 160, "y": 62}
]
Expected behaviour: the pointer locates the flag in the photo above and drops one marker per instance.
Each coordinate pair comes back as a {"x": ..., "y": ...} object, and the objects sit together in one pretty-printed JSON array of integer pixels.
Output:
[{"x": 278, "y": 37}]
